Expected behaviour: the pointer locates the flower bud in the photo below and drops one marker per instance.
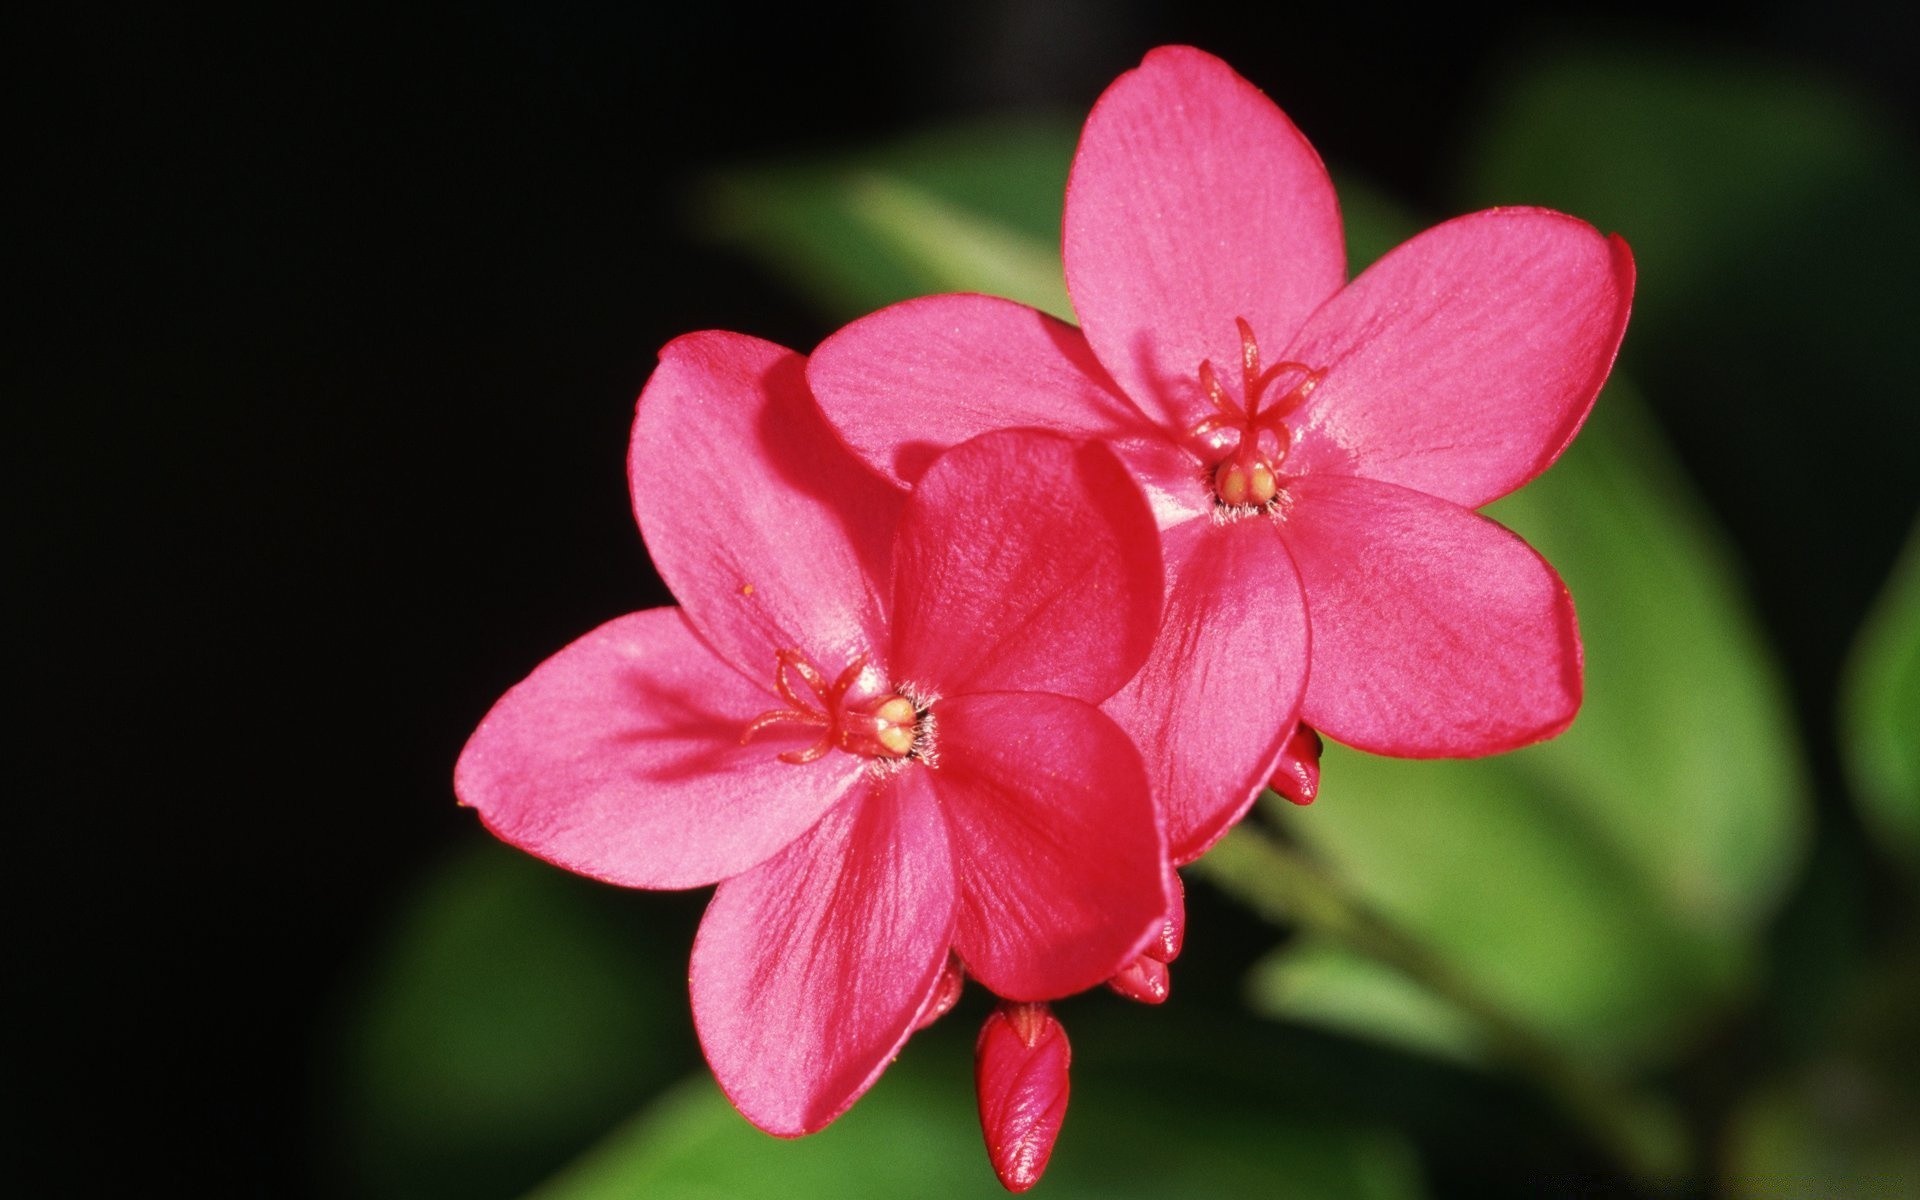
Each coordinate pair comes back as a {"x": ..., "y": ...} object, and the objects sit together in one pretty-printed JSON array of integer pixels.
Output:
[
  {"x": 1145, "y": 979},
  {"x": 1298, "y": 775},
  {"x": 1020, "y": 1073}
]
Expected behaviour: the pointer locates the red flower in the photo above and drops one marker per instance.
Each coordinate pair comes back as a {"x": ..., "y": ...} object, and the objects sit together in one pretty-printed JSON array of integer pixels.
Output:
[
  {"x": 1313, "y": 447},
  {"x": 872, "y": 719}
]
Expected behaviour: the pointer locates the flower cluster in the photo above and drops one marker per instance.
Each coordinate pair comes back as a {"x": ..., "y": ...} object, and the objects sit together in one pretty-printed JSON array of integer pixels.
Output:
[{"x": 988, "y": 622}]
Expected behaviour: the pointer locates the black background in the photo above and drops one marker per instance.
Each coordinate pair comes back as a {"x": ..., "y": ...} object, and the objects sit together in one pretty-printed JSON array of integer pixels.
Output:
[{"x": 332, "y": 325}]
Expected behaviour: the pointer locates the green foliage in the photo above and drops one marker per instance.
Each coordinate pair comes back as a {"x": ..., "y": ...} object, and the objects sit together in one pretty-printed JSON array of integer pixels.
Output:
[
  {"x": 916, "y": 1134},
  {"x": 1880, "y": 730},
  {"x": 506, "y": 1023},
  {"x": 969, "y": 209}
]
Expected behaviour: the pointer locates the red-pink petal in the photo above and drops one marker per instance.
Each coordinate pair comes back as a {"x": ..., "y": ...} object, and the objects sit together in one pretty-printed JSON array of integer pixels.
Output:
[
  {"x": 912, "y": 380},
  {"x": 1193, "y": 201},
  {"x": 1463, "y": 362},
  {"x": 1219, "y": 694},
  {"x": 620, "y": 758},
  {"x": 768, "y": 532},
  {"x": 1054, "y": 841},
  {"x": 1436, "y": 632},
  {"x": 810, "y": 970},
  {"x": 1025, "y": 562}
]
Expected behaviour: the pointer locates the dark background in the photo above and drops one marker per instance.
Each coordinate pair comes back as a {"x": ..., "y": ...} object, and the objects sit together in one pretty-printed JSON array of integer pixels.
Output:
[{"x": 332, "y": 326}]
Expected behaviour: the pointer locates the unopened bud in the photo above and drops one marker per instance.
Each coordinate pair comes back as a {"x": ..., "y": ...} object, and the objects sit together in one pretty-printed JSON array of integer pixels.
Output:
[
  {"x": 1145, "y": 979},
  {"x": 1020, "y": 1073},
  {"x": 1298, "y": 775},
  {"x": 945, "y": 994}
]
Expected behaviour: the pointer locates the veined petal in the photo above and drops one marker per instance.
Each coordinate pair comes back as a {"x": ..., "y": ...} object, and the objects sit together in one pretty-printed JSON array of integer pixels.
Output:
[
  {"x": 620, "y": 758},
  {"x": 1193, "y": 201},
  {"x": 911, "y": 380},
  {"x": 1025, "y": 562},
  {"x": 1212, "y": 708},
  {"x": 809, "y": 970},
  {"x": 1436, "y": 632},
  {"x": 1463, "y": 362},
  {"x": 1054, "y": 841},
  {"x": 768, "y": 532}
]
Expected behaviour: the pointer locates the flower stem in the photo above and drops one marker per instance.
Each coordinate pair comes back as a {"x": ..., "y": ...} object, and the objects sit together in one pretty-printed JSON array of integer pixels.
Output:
[{"x": 1286, "y": 886}]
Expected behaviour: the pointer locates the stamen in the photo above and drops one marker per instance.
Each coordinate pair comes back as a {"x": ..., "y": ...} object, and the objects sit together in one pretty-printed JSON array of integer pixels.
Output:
[
  {"x": 885, "y": 726},
  {"x": 1250, "y": 475},
  {"x": 1249, "y": 354}
]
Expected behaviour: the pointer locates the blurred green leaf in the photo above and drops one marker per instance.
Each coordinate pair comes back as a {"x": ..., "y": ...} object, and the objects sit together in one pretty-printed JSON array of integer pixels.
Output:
[
  {"x": 1607, "y": 885},
  {"x": 969, "y": 209},
  {"x": 917, "y": 1134},
  {"x": 1334, "y": 988},
  {"x": 1881, "y": 711},
  {"x": 505, "y": 1023}
]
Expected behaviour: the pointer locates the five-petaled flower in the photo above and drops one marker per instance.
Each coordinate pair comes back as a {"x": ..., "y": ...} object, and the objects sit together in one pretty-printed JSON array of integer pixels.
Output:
[
  {"x": 872, "y": 720},
  {"x": 1314, "y": 448}
]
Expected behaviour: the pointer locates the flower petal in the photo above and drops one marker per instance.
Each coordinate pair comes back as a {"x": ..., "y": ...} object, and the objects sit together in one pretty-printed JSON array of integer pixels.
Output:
[
  {"x": 1212, "y": 708},
  {"x": 1463, "y": 362},
  {"x": 1193, "y": 201},
  {"x": 1054, "y": 841},
  {"x": 1436, "y": 632},
  {"x": 1025, "y": 562},
  {"x": 912, "y": 380},
  {"x": 810, "y": 970},
  {"x": 620, "y": 758},
  {"x": 768, "y": 532}
]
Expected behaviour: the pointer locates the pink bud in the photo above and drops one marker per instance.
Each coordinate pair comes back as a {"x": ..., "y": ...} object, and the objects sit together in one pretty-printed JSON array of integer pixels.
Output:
[
  {"x": 1298, "y": 775},
  {"x": 1145, "y": 979},
  {"x": 1020, "y": 1072},
  {"x": 945, "y": 994}
]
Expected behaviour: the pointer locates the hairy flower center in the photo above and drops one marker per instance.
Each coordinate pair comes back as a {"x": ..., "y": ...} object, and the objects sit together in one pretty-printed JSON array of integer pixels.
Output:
[
  {"x": 885, "y": 726},
  {"x": 1251, "y": 430}
]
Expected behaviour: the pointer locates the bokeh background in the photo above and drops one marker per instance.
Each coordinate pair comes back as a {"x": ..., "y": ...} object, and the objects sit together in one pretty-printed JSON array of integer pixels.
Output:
[{"x": 332, "y": 323}]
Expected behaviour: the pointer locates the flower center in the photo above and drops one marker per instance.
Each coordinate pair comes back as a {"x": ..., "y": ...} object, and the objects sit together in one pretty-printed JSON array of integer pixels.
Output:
[
  {"x": 885, "y": 726},
  {"x": 1251, "y": 432}
]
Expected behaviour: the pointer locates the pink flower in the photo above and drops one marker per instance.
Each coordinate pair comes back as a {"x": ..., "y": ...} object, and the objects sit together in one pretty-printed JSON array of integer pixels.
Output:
[
  {"x": 1314, "y": 448},
  {"x": 872, "y": 721}
]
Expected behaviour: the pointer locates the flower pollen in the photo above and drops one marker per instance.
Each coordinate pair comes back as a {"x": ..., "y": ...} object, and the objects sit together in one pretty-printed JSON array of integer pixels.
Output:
[
  {"x": 1249, "y": 477},
  {"x": 885, "y": 726}
]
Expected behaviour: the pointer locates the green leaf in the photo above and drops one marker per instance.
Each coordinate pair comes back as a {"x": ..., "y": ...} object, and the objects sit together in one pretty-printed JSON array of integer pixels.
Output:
[
  {"x": 975, "y": 208},
  {"x": 1881, "y": 712},
  {"x": 1319, "y": 983},
  {"x": 1607, "y": 886},
  {"x": 916, "y": 1134},
  {"x": 506, "y": 1022}
]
